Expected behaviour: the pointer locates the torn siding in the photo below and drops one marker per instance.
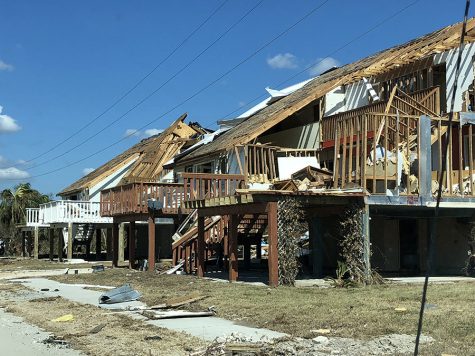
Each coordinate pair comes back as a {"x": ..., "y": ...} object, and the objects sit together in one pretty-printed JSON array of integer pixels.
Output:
[
  {"x": 109, "y": 182},
  {"x": 466, "y": 73},
  {"x": 306, "y": 136},
  {"x": 335, "y": 101},
  {"x": 355, "y": 95},
  {"x": 233, "y": 165}
]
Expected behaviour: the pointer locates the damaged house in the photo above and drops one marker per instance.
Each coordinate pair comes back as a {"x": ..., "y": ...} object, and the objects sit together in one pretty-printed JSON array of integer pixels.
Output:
[
  {"x": 361, "y": 142},
  {"x": 81, "y": 214}
]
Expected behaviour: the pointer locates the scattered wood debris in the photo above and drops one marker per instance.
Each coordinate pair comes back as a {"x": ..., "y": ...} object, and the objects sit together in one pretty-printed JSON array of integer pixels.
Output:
[{"x": 179, "y": 301}]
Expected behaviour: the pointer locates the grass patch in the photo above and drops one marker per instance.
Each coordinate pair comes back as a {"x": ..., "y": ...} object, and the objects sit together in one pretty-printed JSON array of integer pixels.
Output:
[{"x": 358, "y": 312}]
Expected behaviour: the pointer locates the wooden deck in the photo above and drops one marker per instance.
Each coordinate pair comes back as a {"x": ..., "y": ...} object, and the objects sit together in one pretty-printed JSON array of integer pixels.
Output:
[{"x": 133, "y": 198}]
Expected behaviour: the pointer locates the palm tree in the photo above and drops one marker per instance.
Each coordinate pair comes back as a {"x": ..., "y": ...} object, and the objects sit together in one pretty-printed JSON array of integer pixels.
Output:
[{"x": 15, "y": 201}]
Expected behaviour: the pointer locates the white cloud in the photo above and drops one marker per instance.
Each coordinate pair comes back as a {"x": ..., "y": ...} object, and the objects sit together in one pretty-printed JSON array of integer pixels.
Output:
[
  {"x": 152, "y": 132},
  {"x": 13, "y": 173},
  {"x": 144, "y": 134},
  {"x": 7, "y": 123},
  {"x": 5, "y": 66},
  {"x": 86, "y": 171},
  {"x": 283, "y": 61},
  {"x": 132, "y": 132},
  {"x": 323, "y": 65}
]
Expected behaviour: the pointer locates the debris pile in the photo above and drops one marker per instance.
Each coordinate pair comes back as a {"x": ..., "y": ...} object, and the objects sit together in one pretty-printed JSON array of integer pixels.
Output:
[{"x": 291, "y": 226}]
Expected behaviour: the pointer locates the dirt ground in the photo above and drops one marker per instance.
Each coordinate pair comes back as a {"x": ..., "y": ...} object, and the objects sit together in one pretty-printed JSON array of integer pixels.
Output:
[
  {"x": 360, "y": 313},
  {"x": 375, "y": 315},
  {"x": 118, "y": 334}
]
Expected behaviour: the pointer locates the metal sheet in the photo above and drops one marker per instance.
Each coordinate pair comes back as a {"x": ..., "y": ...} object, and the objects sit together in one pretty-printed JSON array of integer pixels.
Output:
[{"x": 121, "y": 294}]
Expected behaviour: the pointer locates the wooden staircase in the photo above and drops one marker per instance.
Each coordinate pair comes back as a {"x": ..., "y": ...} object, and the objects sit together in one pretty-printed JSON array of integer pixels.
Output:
[{"x": 185, "y": 245}]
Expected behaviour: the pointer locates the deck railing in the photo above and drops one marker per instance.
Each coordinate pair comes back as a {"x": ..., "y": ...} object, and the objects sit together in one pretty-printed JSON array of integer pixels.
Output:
[
  {"x": 66, "y": 211},
  {"x": 34, "y": 217},
  {"x": 198, "y": 186},
  {"x": 134, "y": 198}
]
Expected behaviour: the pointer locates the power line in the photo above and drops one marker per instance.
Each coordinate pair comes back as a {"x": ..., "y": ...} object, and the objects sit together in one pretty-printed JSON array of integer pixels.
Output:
[
  {"x": 209, "y": 85},
  {"x": 190, "y": 97},
  {"x": 433, "y": 225},
  {"x": 129, "y": 91},
  {"x": 154, "y": 91},
  {"x": 379, "y": 24}
]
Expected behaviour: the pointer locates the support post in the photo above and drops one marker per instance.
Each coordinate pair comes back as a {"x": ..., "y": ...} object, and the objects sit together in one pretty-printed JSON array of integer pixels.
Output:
[
  {"x": 98, "y": 244},
  {"x": 151, "y": 243},
  {"x": 60, "y": 244},
  {"x": 121, "y": 245},
  {"x": 109, "y": 254},
  {"x": 70, "y": 242},
  {"x": 36, "y": 243},
  {"x": 233, "y": 247},
  {"x": 366, "y": 242},
  {"x": 51, "y": 243},
  {"x": 23, "y": 243},
  {"x": 200, "y": 250},
  {"x": 273, "y": 258},
  {"x": 425, "y": 169},
  {"x": 115, "y": 244},
  {"x": 28, "y": 243},
  {"x": 131, "y": 244}
]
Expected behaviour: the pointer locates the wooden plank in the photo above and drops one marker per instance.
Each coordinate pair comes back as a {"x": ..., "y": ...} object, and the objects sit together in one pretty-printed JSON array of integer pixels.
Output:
[
  {"x": 449, "y": 165},
  {"x": 51, "y": 244},
  {"x": 374, "y": 157},
  {"x": 131, "y": 244},
  {"x": 343, "y": 162},
  {"x": 396, "y": 150},
  {"x": 350, "y": 159},
  {"x": 365, "y": 150},
  {"x": 386, "y": 123},
  {"x": 201, "y": 247},
  {"x": 151, "y": 243},
  {"x": 461, "y": 167},
  {"x": 470, "y": 157},
  {"x": 233, "y": 247},
  {"x": 386, "y": 110},
  {"x": 335, "y": 157},
  {"x": 115, "y": 244}
]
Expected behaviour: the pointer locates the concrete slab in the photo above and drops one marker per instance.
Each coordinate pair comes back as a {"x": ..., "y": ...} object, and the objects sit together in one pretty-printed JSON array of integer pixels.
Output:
[
  {"x": 74, "y": 292},
  {"x": 17, "y": 337},
  {"x": 210, "y": 328},
  {"x": 40, "y": 273},
  {"x": 207, "y": 328},
  {"x": 442, "y": 279}
]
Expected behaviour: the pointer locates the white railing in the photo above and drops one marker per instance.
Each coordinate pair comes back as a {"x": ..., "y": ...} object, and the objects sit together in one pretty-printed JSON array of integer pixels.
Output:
[
  {"x": 34, "y": 217},
  {"x": 74, "y": 211}
]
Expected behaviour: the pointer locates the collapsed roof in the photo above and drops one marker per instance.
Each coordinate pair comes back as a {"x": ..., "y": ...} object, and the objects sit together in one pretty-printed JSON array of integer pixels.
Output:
[
  {"x": 376, "y": 64},
  {"x": 148, "y": 157}
]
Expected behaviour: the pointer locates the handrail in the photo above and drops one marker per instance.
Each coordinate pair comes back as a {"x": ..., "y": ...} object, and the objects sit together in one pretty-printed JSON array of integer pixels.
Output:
[
  {"x": 75, "y": 211},
  {"x": 132, "y": 198},
  {"x": 198, "y": 186}
]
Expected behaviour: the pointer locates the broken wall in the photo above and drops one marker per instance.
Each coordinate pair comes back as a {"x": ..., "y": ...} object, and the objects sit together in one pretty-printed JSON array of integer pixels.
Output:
[{"x": 466, "y": 73}]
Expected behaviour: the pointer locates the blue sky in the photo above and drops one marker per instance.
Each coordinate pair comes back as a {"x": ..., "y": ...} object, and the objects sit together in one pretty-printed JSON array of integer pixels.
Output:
[{"x": 62, "y": 63}]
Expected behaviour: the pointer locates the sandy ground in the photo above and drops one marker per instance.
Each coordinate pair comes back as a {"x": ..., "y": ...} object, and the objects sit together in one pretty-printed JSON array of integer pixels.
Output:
[
  {"x": 93, "y": 331},
  {"x": 18, "y": 337}
]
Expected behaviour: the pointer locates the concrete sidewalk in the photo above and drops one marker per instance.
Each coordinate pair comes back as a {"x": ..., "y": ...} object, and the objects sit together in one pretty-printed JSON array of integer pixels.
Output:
[
  {"x": 17, "y": 337},
  {"x": 207, "y": 328}
]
